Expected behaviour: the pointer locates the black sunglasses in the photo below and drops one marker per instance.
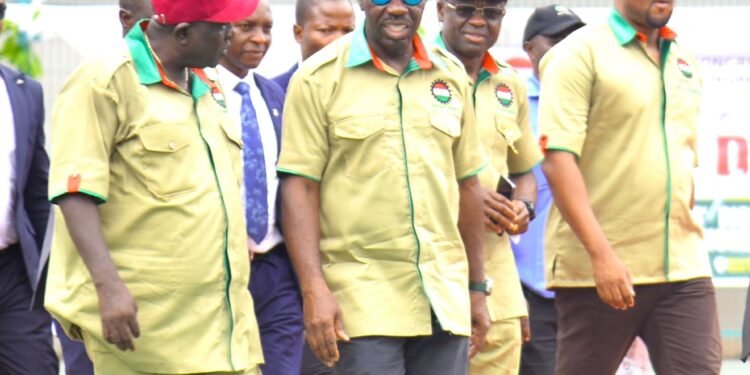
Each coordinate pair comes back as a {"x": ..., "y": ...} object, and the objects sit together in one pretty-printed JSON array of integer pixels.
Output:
[
  {"x": 492, "y": 14},
  {"x": 2, "y": 10}
]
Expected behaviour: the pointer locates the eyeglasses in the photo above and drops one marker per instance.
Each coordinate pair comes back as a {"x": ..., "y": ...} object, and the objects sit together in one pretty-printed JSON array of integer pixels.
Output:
[
  {"x": 410, "y": 3},
  {"x": 2, "y": 10},
  {"x": 492, "y": 14}
]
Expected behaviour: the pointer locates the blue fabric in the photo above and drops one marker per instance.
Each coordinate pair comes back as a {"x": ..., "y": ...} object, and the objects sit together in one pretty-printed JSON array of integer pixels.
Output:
[
  {"x": 283, "y": 79},
  {"x": 529, "y": 251},
  {"x": 25, "y": 334},
  {"x": 254, "y": 161},
  {"x": 32, "y": 166},
  {"x": 278, "y": 308}
]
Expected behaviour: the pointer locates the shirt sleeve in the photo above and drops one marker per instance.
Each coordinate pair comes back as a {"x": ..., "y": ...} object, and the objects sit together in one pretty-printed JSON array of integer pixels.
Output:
[
  {"x": 84, "y": 122},
  {"x": 529, "y": 154},
  {"x": 304, "y": 139},
  {"x": 469, "y": 154},
  {"x": 566, "y": 74}
]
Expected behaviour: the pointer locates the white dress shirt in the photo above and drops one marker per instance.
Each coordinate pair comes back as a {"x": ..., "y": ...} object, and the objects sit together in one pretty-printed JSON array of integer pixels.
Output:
[
  {"x": 8, "y": 235},
  {"x": 228, "y": 81}
]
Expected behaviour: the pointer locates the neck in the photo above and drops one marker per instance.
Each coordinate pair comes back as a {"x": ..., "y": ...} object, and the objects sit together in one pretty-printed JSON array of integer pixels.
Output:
[
  {"x": 237, "y": 71},
  {"x": 174, "y": 67},
  {"x": 396, "y": 57},
  {"x": 473, "y": 65}
]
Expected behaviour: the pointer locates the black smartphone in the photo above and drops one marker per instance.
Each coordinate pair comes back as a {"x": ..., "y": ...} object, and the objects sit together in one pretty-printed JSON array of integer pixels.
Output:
[{"x": 506, "y": 187}]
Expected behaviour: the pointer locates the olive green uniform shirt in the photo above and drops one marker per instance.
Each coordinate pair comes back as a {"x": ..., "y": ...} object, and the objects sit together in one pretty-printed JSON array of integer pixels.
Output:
[
  {"x": 388, "y": 150},
  {"x": 502, "y": 112},
  {"x": 631, "y": 121},
  {"x": 165, "y": 166}
]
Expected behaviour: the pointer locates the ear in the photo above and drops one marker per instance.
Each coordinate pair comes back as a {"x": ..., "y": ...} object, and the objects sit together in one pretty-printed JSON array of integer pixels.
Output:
[
  {"x": 362, "y": 4},
  {"x": 297, "y": 30},
  {"x": 527, "y": 46},
  {"x": 440, "y": 10},
  {"x": 126, "y": 19},
  {"x": 181, "y": 33}
]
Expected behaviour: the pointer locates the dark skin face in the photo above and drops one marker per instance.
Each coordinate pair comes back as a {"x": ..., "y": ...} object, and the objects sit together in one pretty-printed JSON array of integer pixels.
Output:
[
  {"x": 133, "y": 10},
  {"x": 469, "y": 38},
  {"x": 250, "y": 42},
  {"x": 327, "y": 21},
  {"x": 390, "y": 30},
  {"x": 188, "y": 45},
  {"x": 646, "y": 16},
  {"x": 1, "y": 20}
]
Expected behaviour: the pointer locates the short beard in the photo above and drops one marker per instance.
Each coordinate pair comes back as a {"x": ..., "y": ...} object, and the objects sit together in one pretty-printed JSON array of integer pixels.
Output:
[{"x": 657, "y": 23}]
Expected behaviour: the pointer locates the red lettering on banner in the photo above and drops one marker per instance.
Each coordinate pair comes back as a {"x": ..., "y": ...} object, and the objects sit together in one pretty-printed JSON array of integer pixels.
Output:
[{"x": 740, "y": 157}]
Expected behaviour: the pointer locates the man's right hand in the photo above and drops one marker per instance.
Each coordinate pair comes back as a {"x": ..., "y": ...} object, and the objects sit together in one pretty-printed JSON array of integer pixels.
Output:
[
  {"x": 499, "y": 212},
  {"x": 614, "y": 284},
  {"x": 324, "y": 324},
  {"x": 118, "y": 311}
]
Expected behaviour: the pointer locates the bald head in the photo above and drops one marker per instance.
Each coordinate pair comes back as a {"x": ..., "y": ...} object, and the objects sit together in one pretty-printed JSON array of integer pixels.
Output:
[{"x": 133, "y": 10}]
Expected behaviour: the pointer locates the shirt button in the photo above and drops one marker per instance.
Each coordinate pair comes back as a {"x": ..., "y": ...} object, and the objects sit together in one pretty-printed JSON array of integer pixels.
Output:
[{"x": 172, "y": 146}]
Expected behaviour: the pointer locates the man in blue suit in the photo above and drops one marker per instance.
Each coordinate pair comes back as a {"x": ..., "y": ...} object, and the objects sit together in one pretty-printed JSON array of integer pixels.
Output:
[
  {"x": 256, "y": 104},
  {"x": 25, "y": 334},
  {"x": 318, "y": 23}
]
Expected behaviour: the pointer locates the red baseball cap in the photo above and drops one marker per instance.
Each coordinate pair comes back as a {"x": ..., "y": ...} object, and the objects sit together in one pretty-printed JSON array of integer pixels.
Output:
[{"x": 172, "y": 12}]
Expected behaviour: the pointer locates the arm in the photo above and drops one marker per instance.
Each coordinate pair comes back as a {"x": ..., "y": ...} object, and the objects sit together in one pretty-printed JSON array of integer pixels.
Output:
[
  {"x": 470, "y": 225},
  {"x": 35, "y": 194},
  {"x": 322, "y": 314},
  {"x": 613, "y": 280},
  {"x": 116, "y": 306}
]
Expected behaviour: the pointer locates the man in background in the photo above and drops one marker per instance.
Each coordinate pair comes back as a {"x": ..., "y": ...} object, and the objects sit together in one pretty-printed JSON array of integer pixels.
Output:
[
  {"x": 503, "y": 122},
  {"x": 318, "y": 23},
  {"x": 256, "y": 103},
  {"x": 25, "y": 333},
  {"x": 547, "y": 26}
]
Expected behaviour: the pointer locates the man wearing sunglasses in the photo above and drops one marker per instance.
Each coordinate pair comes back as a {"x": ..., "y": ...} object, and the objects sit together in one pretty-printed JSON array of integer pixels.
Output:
[
  {"x": 469, "y": 29},
  {"x": 149, "y": 262},
  {"x": 382, "y": 206}
]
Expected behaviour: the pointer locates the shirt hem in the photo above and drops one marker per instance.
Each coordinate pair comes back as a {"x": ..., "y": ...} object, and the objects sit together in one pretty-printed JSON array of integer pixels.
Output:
[{"x": 636, "y": 281}]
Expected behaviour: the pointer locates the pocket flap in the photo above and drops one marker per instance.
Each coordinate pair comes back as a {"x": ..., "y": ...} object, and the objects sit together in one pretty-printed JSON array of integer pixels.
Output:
[
  {"x": 448, "y": 123},
  {"x": 508, "y": 128},
  {"x": 163, "y": 138},
  {"x": 359, "y": 128},
  {"x": 232, "y": 132}
]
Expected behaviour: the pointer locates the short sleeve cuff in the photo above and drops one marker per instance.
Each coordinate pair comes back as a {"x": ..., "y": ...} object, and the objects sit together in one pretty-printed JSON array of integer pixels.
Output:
[
  {"x": 564, "y": 149},
  {"x": 290, "y": 171},
  {"x": 473, "y": 172}
]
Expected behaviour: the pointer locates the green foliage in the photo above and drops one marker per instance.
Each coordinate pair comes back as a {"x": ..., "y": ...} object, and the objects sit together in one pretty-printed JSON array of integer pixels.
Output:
[{"x": 16, "y": 49}]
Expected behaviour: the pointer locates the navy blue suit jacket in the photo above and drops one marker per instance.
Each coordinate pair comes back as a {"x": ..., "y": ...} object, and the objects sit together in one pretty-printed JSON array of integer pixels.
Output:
[
  {"x": 273, "y": 95},
  {"x": 32, "y": 166},
  {"x": 283, "y": 79}
]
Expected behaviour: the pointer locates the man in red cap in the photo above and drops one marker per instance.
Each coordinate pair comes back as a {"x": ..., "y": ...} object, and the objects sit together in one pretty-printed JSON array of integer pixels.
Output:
[{"x": 150, "y": 268}]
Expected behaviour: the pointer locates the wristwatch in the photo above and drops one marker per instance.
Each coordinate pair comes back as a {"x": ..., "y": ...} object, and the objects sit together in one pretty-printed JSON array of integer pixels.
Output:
[
  {"x": 485, "y": 287},
  {"x": 529, "y": 207}
]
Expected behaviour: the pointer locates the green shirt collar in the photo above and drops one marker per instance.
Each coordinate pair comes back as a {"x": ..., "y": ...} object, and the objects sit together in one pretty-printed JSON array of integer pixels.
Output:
[
  {"x": 145, "y": 64},
  {"x": 625, "y": 32}
]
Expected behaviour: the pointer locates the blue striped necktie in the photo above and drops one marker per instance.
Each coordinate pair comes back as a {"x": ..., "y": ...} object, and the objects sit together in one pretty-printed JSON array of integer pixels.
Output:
[{"x": 254, "y": 161}]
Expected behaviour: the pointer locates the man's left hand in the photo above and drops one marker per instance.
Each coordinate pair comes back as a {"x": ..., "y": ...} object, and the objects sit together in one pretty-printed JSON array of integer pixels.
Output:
[
  {"x": 480, "y": 322},
  {"x": 521, "y": 224}
]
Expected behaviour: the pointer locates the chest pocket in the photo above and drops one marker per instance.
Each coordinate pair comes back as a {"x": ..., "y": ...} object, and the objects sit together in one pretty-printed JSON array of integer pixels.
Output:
[
  {"x": 167, "y": 160},
  {"x": 507, "y": 132},
  {"x": 363, "y": 144},
  {"x": 445, "y": 128}
]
